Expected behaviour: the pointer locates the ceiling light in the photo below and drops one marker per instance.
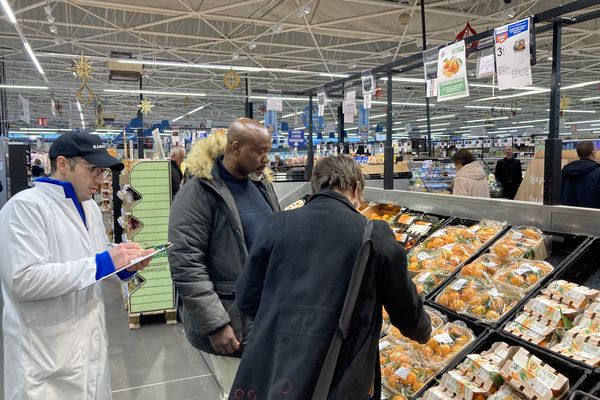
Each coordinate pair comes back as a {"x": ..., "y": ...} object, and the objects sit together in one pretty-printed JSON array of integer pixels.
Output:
[
  {"x": 34, "y": 58},
  {"x": 386, "y": 53},
  {"x": 440, "y": 117},
  {"x": 510, "y": 96},
  {"x": 582, "y": 122},
  {"x": 529, "y": 122},
  {"x": 45, "y": 129},
  {"x": 235, "y": 55},
  {"x": 303, "y": 99},
  {"x": 292, "y": 114},
  {"x": 483, "y": 85},
  {"x": 303, "y": 10},
  {"x": 577, "y": 111},
  {"x": 580, "y": 85},
  {"x": 52, "y": 28},
  {"x": 78, "y": 106},
  {"x": 333, "y": 75},
  {"x": 191, "y": 112},
  {"x": 123, "y": 91},
  {"x": 191, "y": 65},
  {"x": 56, "y": 40},
  {"x": 475, "y": 126},
  {"x": 50, "y": 18},
  {"x": 252, "y": 45},
  {"x": 400, "y": 79},
  {"x": 432, "y": 125},
  {"x": 400, "y": 103},
  {"x": 278, "y": 28},
  {"x": 493, "y": 108},
  {"x": 48, "y": 8},
  {"x": 591, "y": 98},
  {"x": 352, "y": 65},
  {"x": 23, "y": 87},
  {"x": 506, "y": 128},
  {"x": 8, "y": 11},
  {"x": 486, "y": 119}
]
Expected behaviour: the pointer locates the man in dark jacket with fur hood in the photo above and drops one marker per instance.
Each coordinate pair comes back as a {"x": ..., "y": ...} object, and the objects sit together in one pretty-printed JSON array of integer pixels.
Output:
[
  {"x": 581, "y": 179},
  {"x": 214, "y": 220},
  {"x": 295, "y": 283}
]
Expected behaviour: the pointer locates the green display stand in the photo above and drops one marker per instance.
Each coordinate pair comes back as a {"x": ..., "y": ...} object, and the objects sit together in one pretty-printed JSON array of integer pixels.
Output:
[{"x": 151, "y": 291}]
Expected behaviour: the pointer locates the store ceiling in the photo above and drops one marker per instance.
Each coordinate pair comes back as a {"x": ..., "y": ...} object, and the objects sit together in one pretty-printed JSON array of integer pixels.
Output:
[{"x": 337, "y": 36}]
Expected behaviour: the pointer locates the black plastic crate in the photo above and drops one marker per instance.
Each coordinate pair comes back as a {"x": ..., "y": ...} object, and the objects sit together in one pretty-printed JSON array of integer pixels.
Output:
[
  {"x": 591, "y": 386},
  {"x": 581, "y": 268},
  {"x": 564, "y": 249},
  {"x": 577, "y": 375}
]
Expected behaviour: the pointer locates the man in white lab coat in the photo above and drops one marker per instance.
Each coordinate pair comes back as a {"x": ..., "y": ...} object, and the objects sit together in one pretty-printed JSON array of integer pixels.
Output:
[{"x": 54, "y": 243}]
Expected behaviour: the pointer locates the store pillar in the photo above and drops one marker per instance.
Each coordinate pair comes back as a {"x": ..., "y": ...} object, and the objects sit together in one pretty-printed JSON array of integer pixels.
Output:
[
  {"x": 310, "y": 160},
  {"x": 553, "y": 145},
  {"x": 388, "y": 150}
]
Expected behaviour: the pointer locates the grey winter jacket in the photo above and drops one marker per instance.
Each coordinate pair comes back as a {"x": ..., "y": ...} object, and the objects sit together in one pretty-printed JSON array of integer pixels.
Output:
[{"x": 209, "y": 251}]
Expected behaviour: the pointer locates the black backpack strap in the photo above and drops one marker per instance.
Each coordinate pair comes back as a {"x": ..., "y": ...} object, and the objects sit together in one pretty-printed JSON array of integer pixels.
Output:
[{"x": 358, "y": 271}]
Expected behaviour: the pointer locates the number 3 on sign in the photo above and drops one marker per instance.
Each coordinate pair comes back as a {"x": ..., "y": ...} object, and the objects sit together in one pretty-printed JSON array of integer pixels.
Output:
[{"x": 500, "y": 51}]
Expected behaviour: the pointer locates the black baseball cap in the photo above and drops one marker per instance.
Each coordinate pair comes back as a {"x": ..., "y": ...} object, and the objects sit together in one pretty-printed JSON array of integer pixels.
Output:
[{"x": 87, "y": 146}]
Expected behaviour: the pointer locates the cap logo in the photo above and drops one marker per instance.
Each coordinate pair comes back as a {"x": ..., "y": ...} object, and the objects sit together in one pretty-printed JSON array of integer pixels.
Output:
[{"x": 99, "y": 146}]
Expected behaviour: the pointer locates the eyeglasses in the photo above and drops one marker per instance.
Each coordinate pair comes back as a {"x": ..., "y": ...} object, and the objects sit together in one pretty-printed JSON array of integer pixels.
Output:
[{"x": 94, "y": 171}]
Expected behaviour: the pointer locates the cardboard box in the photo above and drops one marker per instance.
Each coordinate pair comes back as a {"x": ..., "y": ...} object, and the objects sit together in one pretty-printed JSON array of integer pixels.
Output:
[
  {"x": 532, "y": 377},
  {"x": 581, "y": 348},
  {"x": 437, "y": 393},
  {"x": 483, "y": 371},
  {"x": 593, "y": 309},
  {"x": 529, "y": 327},
  {"x": 550, "y": 311},
  {"x": 507, "y": 392},
  {"x": 570, "y": 294},
  {"x": 461, "y": 386}
]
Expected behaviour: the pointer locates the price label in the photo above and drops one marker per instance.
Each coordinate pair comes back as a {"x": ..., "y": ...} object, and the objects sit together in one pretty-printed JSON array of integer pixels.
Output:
[
  {"x": 458, "y": 284},
  {"x": 423, "y": 277},
  {"x": 517, "y": 236},
  {"x": 576, "y": 295},
  {"x": 383, "y": 345},
  {"x": 423, "y": 256},
  {"x": 524, "y": 269},
  {"x": 443, "y": 338},
  {"x": 438, "y": 233},
  {"x": 448, "y": 247},
  {"x": 495, "y": 293},
  {"x": 402, "y": 372},
  {"x": 490, "y": 264}
]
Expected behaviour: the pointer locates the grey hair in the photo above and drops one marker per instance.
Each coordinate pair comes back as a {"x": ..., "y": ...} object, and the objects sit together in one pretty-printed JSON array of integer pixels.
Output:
[
  {"x": 177, "y": 151},
  {"x": 339, "y": 173}
]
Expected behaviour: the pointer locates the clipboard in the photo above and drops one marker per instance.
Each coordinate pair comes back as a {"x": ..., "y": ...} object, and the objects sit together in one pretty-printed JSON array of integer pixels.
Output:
[{"x": 157, "y": 250}]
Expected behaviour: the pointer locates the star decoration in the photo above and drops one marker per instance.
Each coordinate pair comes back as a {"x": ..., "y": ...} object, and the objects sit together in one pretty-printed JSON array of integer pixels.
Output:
[
  {"x": 146, "y": 106},
  {"x": 565, "y": 102},
  {"x": 82, "y": 68}
]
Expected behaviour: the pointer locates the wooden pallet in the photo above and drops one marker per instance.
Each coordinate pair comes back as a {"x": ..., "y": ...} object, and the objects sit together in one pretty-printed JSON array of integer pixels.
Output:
[{"x": 136, "y": 319}]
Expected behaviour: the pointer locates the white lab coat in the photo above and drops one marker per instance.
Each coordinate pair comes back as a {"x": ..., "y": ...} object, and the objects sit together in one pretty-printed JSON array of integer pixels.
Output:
[{"x": 55, "y": 341}]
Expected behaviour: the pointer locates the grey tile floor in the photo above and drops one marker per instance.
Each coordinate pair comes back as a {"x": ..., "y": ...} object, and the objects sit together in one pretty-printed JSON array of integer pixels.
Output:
[{"x": 155, "y": 362}]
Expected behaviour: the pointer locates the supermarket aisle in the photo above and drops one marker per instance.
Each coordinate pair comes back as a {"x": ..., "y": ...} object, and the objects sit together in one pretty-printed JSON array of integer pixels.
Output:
[{"x": 155, "y": 362}]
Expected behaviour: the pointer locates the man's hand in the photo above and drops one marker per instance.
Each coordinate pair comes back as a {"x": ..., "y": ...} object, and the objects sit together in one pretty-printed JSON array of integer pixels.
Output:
[
  {"x": 224, "y": 341},
  {"x": 123, "y": 253}
]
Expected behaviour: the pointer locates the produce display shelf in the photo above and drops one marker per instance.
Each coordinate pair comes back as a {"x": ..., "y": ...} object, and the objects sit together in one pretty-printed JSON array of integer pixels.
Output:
[
  {"x": 591, "y": 386},
  {"x": 582, "y": 269},
  {"x": 564, "y": 248},
  {"x": 578, "y": 376}
]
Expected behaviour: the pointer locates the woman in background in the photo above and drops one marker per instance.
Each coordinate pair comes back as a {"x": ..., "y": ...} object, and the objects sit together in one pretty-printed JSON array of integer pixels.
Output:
[{"x": 470, "y": 179}]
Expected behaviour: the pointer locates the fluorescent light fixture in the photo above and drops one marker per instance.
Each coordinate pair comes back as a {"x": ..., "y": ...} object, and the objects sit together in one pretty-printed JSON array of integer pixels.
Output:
[
  {"x": 577, "y": 111},
  {"x": 45, "y": 129},
  {"x": 483, "y": 85},
  {"x": 433, "y": 125},
  {"x": 328, "y": 74},
  {"x": 496, "y": 132},
  {"x": 34, "y": 58},
  {"x": 160, "y": 93},
  {"x": 520, "y": 127},
  {"x": 8, "y": 11},
  {"x": 398, "y": 122},
  {"x": 582, "y": 122},
  {"x": 587, "y": 129},
  {"x": 189, "y": 65},
  {"x": 191, "y": 112},
  {"x": 292, "y": 114},
  {"x": 399, "y": 103},
  {"x": 378, "y": 116},
  {"x": 78, "y": 106},
  {"x": 494, "y": 108},
  {"x": 529, "y": 122},
  {"x": 440, "y": 117},
  {"x": 579, "y": 85},
  {"x": 591, "y": 98},
  {"x": 486, "y": 120},
  {"x": 476, "y": 126},
  {"x": 510, "y": 96},
  {"x": 303, "y": 99},
  {"x": 400, "y": 79},
  {"x": 24, "y": 87}
]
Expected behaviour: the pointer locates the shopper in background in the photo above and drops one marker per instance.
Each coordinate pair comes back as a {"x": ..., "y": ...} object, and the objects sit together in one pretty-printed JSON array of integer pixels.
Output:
[
  {"x": 470, "y": 179},
  {"x": 581, "y": 179},
  {"x": 36, "y": 169},
  {"x": 278, "y": 161},
  {"x": 214, "y": 221},
  {"x": 295, "y": 282},
  {"x": 177, "y": 157},
  {"x": 508, "y": 173},
  {"x": 55, "y": 341}
]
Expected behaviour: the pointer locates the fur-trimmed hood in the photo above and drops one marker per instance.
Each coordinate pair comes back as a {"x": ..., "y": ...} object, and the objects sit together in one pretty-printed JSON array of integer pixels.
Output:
[{"x": 204, "y": 154}]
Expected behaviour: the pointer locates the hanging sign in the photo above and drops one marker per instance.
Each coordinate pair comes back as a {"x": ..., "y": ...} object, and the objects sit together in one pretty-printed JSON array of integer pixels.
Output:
[
  {"x": 485, "y": 64},
  {"x": 452, "y": 72},
  {"x": 321, "y": 101},
  {"x": 363, "y": 122},
  {"x": 42, "y": 121},
  {"x": 274, "y": 101},
  {"x": 368, "y": 88},
  {"x": 511, "y": 45},
  {"x": 271, "y": 125},
  {"x": 23, "y": 109},
  {"x": 349, "y": 104},
  {"x": 430, "y": 67},
  {"x": 296, "y": 138}
]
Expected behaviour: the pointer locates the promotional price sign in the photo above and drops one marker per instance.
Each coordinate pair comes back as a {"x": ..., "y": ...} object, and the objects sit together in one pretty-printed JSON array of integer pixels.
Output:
[
  {"x": 511, "y": 45},
  {"x": 452, "y": 72}
]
